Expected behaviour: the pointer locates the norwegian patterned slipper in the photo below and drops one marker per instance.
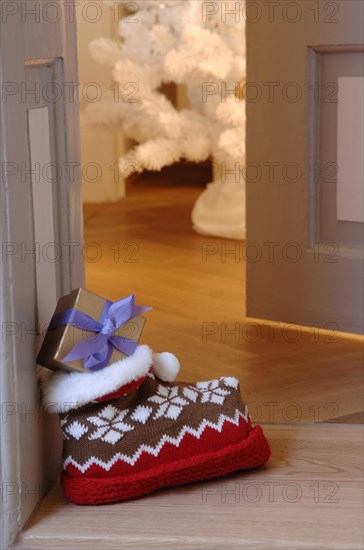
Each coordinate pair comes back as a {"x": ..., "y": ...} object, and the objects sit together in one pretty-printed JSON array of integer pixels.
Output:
[{"x": 129, "y": 430}]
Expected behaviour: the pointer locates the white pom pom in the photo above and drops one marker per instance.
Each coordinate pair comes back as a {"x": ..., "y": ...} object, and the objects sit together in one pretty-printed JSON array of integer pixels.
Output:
[{"x": 165, "y": 366}]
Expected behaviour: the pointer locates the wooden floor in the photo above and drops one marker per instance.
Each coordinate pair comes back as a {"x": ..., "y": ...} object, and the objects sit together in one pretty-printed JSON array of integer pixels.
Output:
[
  {"x": 305, "y": 387},
  {"x": 145, "y": 244}
]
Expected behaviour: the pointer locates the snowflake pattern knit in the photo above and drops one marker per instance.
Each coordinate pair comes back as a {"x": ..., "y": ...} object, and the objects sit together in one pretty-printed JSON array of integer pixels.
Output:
[{"x": 159, "y": 434}]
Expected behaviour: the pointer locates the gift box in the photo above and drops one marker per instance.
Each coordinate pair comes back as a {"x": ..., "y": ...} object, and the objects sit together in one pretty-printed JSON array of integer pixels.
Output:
[{"x": 88, "y": 332}]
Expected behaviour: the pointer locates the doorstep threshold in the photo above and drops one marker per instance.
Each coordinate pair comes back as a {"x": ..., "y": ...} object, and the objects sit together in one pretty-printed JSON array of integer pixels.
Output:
[{"x": 309, "y": 496}]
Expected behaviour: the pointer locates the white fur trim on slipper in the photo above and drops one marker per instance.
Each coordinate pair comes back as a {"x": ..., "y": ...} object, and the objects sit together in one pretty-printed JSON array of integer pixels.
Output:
[{"x": 66, "y": 391}]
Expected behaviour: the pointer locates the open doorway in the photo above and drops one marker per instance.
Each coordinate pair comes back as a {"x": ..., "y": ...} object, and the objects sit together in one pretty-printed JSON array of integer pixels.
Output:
[
  {"x": 138, "y": 228},
  {"x": 139, "y": 238}
]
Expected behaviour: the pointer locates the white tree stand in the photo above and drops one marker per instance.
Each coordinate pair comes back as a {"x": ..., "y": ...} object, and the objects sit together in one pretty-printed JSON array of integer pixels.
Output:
[{"x": 220, "y": 209}]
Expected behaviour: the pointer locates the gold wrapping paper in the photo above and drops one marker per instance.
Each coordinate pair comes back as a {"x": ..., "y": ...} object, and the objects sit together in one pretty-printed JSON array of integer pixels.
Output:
[{"x": 59, "y": 342}]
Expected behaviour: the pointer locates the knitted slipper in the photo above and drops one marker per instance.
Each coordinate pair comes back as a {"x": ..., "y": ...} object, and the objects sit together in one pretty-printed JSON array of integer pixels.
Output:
[{"x": 128, "y": 433}]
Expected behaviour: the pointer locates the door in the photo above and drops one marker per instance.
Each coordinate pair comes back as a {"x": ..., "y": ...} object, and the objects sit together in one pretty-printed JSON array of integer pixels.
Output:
[
  {"x": 304, "y": 168},
  {"x": 41, "y": 230}
]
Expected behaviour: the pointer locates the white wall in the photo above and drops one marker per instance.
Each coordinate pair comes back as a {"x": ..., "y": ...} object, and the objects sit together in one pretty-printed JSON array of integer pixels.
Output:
[{"x": 100, "y": 147}]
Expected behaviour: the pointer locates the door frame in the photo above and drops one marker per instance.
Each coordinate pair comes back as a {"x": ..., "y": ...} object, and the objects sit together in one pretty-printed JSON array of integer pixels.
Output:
[{"x": 23, "y": 429}]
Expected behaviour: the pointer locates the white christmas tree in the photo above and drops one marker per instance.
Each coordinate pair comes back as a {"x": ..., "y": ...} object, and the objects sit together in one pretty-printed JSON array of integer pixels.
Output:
[{"x": 200, "y": 45}]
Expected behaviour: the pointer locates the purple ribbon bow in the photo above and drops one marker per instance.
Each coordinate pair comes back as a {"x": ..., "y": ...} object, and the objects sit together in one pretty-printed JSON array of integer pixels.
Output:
[{"x": 96, "y": 350}]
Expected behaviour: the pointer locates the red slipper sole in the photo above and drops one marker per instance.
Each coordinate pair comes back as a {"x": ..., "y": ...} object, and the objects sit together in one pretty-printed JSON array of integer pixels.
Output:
[{"x": 251, "y": 452}]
